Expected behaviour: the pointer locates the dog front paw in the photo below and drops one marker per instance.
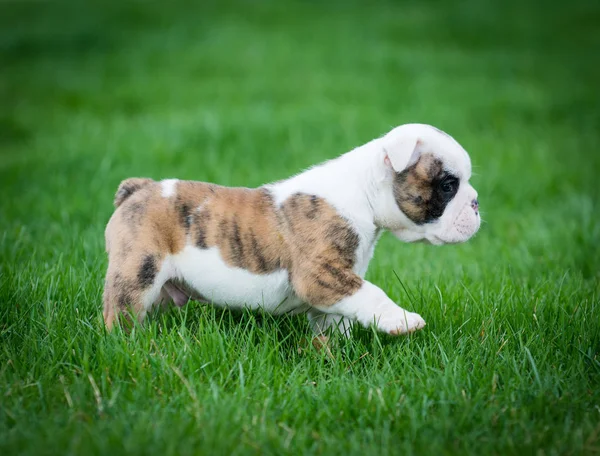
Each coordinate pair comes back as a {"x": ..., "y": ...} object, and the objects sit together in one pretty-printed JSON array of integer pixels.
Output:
[{"x": 409, "y": 322}]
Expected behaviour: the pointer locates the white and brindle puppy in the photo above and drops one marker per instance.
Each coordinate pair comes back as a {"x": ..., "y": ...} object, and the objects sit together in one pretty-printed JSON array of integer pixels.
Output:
[{"x": 298, "y": 245}]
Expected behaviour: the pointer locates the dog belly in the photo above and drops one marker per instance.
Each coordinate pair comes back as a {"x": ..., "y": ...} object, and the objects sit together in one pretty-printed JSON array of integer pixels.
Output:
[{"x": 205, "y": 271}]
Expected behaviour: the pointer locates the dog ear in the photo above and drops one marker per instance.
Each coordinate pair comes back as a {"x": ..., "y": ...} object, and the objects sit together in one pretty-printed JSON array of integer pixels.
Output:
[{"x": 403, "y": 153}]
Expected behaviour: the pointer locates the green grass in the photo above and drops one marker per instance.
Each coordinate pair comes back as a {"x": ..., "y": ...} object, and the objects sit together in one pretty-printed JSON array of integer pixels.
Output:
[{"x": 241, "y": 94}]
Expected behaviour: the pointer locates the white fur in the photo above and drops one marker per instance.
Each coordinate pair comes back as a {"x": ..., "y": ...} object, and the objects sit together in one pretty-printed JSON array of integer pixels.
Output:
[
  {"x": 370, "y": 305},
  {"x": 169, "y": 187},
  {"x": 359, "y": 185},
  {"x": 205, "y": 271}
]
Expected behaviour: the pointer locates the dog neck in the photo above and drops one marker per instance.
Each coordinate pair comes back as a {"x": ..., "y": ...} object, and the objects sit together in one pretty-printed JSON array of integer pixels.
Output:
[{"x": 357, "y": 183}]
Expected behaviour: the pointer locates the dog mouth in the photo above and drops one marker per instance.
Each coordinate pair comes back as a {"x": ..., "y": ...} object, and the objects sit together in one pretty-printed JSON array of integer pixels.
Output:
[
  {"x": 458, "y": 234},
  {"x": 463, "y": 229}
]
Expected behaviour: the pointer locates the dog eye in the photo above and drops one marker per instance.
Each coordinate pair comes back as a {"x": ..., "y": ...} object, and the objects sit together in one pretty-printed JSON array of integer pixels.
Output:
[{"x": 448, "y": 186}]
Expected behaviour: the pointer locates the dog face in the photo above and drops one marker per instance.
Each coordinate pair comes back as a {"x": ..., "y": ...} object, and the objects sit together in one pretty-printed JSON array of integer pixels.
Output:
[{"x": 428, "y": 177}]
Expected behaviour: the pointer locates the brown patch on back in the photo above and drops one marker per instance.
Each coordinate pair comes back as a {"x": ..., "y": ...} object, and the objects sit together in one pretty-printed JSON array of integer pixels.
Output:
[
  {"x": 246, "y": 230},
  {"x": 416, "y": 190},
  {"x": 241, "y": 222}
]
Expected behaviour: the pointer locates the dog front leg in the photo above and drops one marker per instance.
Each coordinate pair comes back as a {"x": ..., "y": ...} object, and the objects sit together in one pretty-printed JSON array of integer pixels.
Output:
[{"x": 370, "y": 305}]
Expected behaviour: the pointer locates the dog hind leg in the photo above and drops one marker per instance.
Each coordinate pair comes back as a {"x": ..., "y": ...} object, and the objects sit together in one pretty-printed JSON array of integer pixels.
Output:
[{"x": 132, "y": 287}]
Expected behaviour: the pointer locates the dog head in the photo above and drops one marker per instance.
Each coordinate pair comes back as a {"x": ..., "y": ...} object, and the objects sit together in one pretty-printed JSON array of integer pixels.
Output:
[{"x": 427, "y": 186}]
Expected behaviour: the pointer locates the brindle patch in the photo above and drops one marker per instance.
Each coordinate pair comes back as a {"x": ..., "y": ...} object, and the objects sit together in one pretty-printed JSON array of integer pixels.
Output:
[
  {"x": 344, "y": 241},
  {"x": 243, "y": 225},
  {"x": 122, "y": 288},
  {"x": 236, "y": 244},
  {"x": 322, "y": 248},
  {"x": 147, "y": 271},
  {"x": 419, "y": 190},
  {"x": 259, "y": 259},
  {"x": 201, "y": 222},
  {"x": 128, "y": 187},
  {"x": 134, "y": 212},
  {"x": 125, "y": 299},
  {"x": 183, "y": 211},
  {"x": 313, "y": 212}
]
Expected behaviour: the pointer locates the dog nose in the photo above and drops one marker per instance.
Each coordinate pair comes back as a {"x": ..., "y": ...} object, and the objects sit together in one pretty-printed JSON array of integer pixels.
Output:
[{"x": 475, "y": 206}]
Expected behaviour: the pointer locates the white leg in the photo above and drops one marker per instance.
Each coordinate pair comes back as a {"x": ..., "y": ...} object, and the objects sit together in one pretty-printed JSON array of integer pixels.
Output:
[
  {"x": 370, "y": 305},
  {"x": 321, "y": 322},
  {"x": 157, "y": 294}
]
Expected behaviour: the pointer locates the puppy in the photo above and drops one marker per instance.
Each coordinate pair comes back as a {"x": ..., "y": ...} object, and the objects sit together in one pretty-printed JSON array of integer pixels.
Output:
[{"x": 301, "y": 245}]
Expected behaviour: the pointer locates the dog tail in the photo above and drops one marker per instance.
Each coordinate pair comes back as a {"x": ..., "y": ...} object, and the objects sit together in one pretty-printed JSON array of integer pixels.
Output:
[{"x": 128, "y": 187}]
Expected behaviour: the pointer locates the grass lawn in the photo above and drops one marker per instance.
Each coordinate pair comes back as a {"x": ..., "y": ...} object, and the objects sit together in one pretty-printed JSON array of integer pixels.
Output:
[{"x": 242, "y": 94}]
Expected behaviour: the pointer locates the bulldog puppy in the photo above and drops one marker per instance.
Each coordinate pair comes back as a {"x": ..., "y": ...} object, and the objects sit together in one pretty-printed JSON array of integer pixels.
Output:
[{"x": 298, "y": 245}]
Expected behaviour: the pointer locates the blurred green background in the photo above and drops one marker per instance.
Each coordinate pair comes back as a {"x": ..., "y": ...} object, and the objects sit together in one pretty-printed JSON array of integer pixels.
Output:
[{"x": 243, "y": 93}]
